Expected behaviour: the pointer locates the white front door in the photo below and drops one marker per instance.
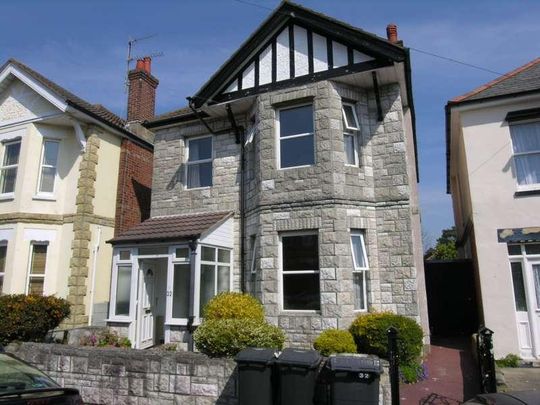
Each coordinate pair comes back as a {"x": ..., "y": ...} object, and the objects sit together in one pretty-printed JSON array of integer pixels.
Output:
[
  {"x": 533, "y": 281},
  {"x": 145, "y": 315}
]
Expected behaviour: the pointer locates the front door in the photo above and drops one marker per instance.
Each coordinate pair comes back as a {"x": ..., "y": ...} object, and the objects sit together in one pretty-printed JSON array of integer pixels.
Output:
[
  {"x": 533, "y": 275},
  {"x": 145, "y": 310}
]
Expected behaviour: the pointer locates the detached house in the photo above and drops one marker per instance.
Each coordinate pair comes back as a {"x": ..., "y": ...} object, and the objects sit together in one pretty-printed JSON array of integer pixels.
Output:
[
  {"x": 292, "y": 175},
  {"x": 67, "y": 181},
  {"x": 493, "y": 159}
]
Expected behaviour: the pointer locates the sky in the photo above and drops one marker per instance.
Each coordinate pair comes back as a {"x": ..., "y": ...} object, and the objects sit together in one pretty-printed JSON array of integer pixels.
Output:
[{"x": 82, "y": 45}]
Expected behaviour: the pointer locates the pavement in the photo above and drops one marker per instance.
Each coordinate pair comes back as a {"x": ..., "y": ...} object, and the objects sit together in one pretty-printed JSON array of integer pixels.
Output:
[
  {"x": 452, "y": 375},
  {"x": 520, "y": 379}
]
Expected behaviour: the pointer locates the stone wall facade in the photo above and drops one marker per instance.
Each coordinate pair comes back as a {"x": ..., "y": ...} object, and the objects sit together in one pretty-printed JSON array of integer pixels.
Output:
[
  {"x": 144, "y": 377},
  {"x": 329, "y": 198}
]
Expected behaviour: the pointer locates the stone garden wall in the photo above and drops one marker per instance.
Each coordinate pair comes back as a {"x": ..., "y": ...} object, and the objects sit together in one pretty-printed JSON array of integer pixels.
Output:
[{"x": 140, "y": 377}]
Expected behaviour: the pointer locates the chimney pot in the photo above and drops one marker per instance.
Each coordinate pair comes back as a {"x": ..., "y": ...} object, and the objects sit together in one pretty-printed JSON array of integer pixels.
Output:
[
  {"x": 147, "y": 64},
  {"x": 140, "y": 64},
  {"x": 391, "y": 33}
]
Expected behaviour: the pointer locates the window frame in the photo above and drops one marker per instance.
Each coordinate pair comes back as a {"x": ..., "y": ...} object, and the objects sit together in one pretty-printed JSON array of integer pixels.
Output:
[
  {"x": 352, "y": 132},
  {"x": 527, "y": 260},
  {"x": 3, "y": 270},
  {"x": 29, "y": 274},
  {"x": 282, "y": 272},
  {"x": 171, "y": 262},
  {"x": 279, "y": 138},
  {"x": 356, "y": 269},
  {"x": 114, "y": 283},
  {"x": 216, "y": 263},
  {"x": 187, "y": 140},
  {"x": 4, "y": 167},
  {"x": 39, "y": 192},
  {"x": 522, "y": 187}
]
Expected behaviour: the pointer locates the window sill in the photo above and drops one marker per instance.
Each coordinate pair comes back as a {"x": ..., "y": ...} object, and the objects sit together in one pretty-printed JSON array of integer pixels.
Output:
[
  {"x": 296, "y": 167},
  {"x": 197, "y": 188},
  {"x": 44, "y": 197},
  {"x": 300, "y": 312},
  {"x": 525, "y": 191},
  {"x": 7, "y": 197},
  {"x": 123, "y": 320}
]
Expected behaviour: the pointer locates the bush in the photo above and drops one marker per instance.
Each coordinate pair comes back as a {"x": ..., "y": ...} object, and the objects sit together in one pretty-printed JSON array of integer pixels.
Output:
[
  {"x": 510, "y": 361},
  {"x": 29, "y": 318},
  {"x": 233, "y": 305},
  {"x": 333, "y": 341},
  {"x": 227, "y": 337},
  {"x": 370, "y": 335},
  {"x": 105, "y": 338},
  {"x": 412, "y": 373}
]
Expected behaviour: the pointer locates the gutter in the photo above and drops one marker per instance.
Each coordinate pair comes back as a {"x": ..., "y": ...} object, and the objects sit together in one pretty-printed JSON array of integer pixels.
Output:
[{"x": 408, "y": 84}]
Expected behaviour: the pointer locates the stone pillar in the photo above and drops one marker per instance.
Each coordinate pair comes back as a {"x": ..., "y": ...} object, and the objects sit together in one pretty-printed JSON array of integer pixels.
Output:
[{"x": 80, "y": 247}]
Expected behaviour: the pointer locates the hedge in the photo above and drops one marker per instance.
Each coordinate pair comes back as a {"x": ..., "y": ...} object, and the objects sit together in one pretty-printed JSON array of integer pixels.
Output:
[
  {"x": 233, "y": 305},
  {"x": 333, "y": 341}
]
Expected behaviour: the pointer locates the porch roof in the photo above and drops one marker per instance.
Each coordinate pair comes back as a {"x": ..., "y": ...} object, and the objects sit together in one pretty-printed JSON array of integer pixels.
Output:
[{"x": 172, "y": 227}]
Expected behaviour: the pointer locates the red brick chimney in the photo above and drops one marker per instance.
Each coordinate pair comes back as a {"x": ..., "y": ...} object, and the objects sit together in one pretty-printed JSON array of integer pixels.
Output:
[
  {"x": 142, "y": 91},
  {"x": 391, "y": 33}
]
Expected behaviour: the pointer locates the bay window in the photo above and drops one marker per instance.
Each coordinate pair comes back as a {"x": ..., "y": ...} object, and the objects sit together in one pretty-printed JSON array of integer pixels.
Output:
[
  {"x": 350, "y": 133},
  {"x": 10, "y": 163},
  {"x": 215, "y": 273},
  {"x": 199, "y": 162},
  {"x": 3, "y": 251},
  {"x": 526, "y": 148},
  {"x": 122, "y": 301},
  {"x": 49, "y": 160},
  {"x": 300, "y": 272},
  {"x": 296, "y": 137},
  {"x": 36, "y": 273},
  {"x": 360, "y": 268}
]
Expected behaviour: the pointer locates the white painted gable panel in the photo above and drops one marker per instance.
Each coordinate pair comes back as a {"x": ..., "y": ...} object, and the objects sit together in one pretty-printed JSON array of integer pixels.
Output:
[
  {"x": 282, "y": 53},
  {"x": 359, "y": 57},
  {"x": 265, "y": 66},
  {"x": 221, "y": 236},
  {"x": 301, "y": 63},
  {"x": 340, "y": 54},
  {"x": 232, "y": 87},
  {"x": 19, "y": 102},
  {"x": 320, "y": 53}
]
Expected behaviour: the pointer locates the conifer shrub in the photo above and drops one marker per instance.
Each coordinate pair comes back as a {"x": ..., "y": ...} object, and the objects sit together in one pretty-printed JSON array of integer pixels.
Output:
[
  {"x": 333, "y": 341},
  {"x": 28, "y": 318}
]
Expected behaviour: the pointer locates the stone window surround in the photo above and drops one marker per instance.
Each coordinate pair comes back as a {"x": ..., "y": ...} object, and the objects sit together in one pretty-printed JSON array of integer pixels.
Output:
[{"x": 187, "y": 140}]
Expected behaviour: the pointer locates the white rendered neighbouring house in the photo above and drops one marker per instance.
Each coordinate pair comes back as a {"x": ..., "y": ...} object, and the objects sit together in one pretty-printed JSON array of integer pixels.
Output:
[
  {"x": 493, "y": 159},
  {"x": 292, "y": 176}
]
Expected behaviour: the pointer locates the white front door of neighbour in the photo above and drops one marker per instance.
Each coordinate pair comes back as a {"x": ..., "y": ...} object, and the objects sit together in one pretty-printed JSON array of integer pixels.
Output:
[
  {"x": 533, "y": 275},
  {"x": 145, "y": 315}
]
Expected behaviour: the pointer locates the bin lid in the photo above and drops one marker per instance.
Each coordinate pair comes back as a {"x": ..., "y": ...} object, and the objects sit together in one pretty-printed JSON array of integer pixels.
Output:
[
  {"x": 256, "y": 355},
  {"x": 299, "y": 358},
  {"x": 355, "y": 363}
]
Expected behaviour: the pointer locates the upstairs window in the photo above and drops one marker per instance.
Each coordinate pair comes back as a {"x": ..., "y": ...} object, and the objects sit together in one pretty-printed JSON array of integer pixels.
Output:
[
  {"x": 350, "y": 133},
  {"x": 49, "y": 161},
  {"x": 199, "y": 162},
  {"x": 10, "y": 163},
  {"x": 296, "y": 138},
  {"x": 526, "y": 146}
]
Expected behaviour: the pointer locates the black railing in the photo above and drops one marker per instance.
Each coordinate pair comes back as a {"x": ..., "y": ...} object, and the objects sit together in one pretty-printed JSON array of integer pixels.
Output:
[
  {"x": 393, "y": 359},
  {"x": 486, "y": 361}
]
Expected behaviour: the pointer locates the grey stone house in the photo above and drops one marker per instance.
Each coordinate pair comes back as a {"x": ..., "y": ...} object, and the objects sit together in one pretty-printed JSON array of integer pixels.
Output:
[{"x": 292, "y": 175}]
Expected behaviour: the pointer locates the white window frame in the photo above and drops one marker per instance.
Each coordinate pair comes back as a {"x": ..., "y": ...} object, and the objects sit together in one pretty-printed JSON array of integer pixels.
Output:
[
  {"x": 352, "y": 131},
  {"x": 29, "y": 274},
  {"x": 279, "y": 138},
  {"x": 527, "y": 260},
  {"x": 10, "y": 194},
  {"x": 47, "y": 194},
  {"x": 196, "y": 162},
  {"x": 114, "y": 281},
  {"x": 283, "y": 272},
  {"x": 3, "y": 271},
  {"x": 522, "y": 187},
  {"x": 215, "y": 263},
  {"x": 359, "y": 269},
  {"x": 173, "y": 260}
]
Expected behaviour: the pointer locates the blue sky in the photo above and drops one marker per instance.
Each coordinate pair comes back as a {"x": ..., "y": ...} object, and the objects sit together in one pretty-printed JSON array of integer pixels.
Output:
[{"x": 82, "y": 46}]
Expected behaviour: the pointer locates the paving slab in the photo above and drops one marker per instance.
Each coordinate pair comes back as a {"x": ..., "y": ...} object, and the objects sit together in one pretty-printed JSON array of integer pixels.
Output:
[{"x": 520, "y": 379}]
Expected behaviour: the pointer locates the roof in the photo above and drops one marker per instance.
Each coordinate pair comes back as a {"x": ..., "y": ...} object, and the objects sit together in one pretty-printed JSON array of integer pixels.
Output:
[
  {"x": 97, "y": 111},
  {"x": 173, "y": 227},
  {"x": 525, "y": 78},
  {"x": 180, "y": 115}
]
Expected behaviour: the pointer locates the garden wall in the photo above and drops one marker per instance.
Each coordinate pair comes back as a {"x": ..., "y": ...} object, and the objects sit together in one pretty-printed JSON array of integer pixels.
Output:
[{"x": 128, "y": 376}]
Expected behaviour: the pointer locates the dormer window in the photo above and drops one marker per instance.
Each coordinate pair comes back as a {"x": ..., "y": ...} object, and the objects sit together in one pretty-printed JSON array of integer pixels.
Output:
[{"x": 350, "y": 133}]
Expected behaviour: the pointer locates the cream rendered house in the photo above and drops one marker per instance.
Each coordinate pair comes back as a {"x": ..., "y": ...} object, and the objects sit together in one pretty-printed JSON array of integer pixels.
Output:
[
  {"x": 493, "y": 150},
  {"x": 59, "y": 173}
]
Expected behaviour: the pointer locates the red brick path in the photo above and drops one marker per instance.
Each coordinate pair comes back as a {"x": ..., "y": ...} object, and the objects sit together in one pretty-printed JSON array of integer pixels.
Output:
[{"x": 452, "y": 376}]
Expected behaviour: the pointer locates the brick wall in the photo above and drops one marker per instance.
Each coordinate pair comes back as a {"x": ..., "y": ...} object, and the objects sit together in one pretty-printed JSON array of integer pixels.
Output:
[
  {"x": 142, "y": 95},
  {"x": 134, "y": 185}
]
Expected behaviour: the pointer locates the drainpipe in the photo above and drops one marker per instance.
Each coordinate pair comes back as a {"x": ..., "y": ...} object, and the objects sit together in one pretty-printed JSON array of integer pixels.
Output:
[
  {"x": 93, "y": 275},
  {"x": 191, "y": 314}
]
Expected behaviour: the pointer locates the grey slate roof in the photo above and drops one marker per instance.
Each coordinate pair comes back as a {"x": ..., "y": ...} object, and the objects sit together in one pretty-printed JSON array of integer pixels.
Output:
[
  {"x": 96, "y": 110},
  {"x": 526, "y": 78},
  {"x": 173, "y": 227}
]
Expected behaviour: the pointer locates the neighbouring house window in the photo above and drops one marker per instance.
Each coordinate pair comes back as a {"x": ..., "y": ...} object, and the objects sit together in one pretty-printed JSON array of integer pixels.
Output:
[
  {"x": 49, "y": 160},
  {"x": 526, "y": 146},
  {"x": 360, "y": 263},
  {"x": 3, "y": 251},
  {"x": 300, "y": 264},
  {"x": 215, "y": 273},
  {"x": 519, "y": 286},
  {"x": 10, "y": 163},
  {"x": 350, "y": 133},
  {"x": 38, "y": 262},
  {"x": 296, "y": 137},
  {"x": 199, "y": 162},
  {"x": 525, "y": 257}
]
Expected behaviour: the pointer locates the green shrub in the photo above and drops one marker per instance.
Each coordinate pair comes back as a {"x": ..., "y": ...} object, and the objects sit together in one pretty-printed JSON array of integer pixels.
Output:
[
  {"x": 233, "y": 305},
  {"x": 370, "y": 335},
  {"x": 510, "y": 361},
  {"x": 333, "y": 341},
  {"x": 29, "y": 318},
  {"x": 227, "y": 337},
  {"x": 105, "y": 338}
]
